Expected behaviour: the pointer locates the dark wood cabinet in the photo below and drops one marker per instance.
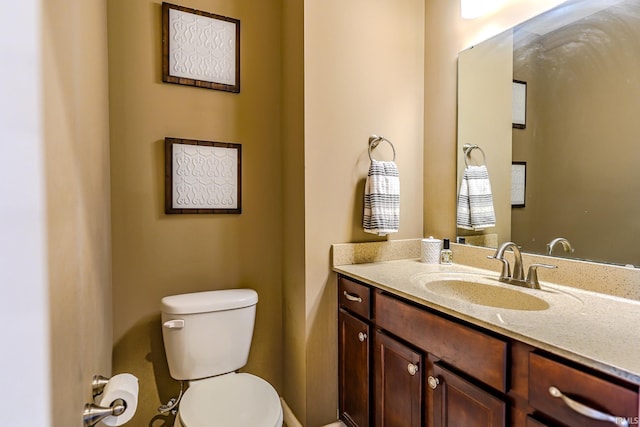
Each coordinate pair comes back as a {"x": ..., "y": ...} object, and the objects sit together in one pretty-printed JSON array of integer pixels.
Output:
[
  {"x": 404, "y": 365},
  {"x": 532, "y": 422},
  {"x": 354, "y": 370},
  {"x": 575, "y": 397},
  {"x": 458, "y": 402},
  {"x": 471, "y": 351},
  {"x": 397, "y": 392},
  {"x": 354, "y": 352}
]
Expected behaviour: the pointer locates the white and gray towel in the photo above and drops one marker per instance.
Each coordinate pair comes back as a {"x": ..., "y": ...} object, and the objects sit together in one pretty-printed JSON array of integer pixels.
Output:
[
  {"x": 475, "y": 200},
  {"x": 382, "y": 199}
]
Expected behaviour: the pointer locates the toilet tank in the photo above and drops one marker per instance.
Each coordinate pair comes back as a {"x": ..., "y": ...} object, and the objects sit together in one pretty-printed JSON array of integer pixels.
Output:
[{"x": 208, "y": 333}]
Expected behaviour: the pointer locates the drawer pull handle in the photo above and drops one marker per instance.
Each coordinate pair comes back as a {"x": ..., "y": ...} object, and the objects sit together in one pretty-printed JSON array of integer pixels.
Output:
[
  {"x": 351, "y": 297},
  {"x": 587, "y": 411},
  {"x": 433, "y": 382},
  {"x": 412, "y": 368},
  {"x": 362, "y": 336}
]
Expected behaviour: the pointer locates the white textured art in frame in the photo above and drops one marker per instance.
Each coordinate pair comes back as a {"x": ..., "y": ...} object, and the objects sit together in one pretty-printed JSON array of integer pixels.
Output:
[
  {"x": 200, "y": 49},
  {"x": 204, "y": 177}
]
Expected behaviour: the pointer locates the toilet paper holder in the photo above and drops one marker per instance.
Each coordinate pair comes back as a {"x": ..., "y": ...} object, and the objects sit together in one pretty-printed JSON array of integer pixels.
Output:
[
  {"x": 93, "y": 413},
  {"x": 98, "y": 383}
]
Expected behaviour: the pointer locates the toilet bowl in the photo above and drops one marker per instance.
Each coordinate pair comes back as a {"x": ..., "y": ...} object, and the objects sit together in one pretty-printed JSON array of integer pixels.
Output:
[{"x": 230, "y": 400}]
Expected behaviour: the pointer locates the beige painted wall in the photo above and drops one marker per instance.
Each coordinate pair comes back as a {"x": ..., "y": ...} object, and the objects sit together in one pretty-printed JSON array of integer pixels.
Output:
[
  {"x": 76, "y": 132},
  {"x": 293, "y": 297},
  {"x": 156, "y": 254},
  {"x": 363, "y": 75}
]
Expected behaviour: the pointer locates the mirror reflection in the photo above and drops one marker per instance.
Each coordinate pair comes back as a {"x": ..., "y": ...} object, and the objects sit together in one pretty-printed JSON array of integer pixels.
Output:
[{"x": 576, "y": 159}]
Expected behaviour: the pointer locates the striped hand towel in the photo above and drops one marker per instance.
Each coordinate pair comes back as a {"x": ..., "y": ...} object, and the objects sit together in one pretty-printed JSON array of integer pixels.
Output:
[
  {"x": 475, "y": 201},
  {"x": 382, "y": 199}
]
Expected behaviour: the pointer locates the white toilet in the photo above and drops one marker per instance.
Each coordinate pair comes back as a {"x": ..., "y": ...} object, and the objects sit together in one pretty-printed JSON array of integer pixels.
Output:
[{"x": 207, "y": 337}]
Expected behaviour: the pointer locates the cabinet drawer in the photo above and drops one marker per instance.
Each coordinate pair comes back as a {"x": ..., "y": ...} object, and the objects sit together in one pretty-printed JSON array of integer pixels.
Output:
[
  {"x": 589, "y": 390},
  {"x": 354, "y": 297},
  {"x": 482, "y": 356}
]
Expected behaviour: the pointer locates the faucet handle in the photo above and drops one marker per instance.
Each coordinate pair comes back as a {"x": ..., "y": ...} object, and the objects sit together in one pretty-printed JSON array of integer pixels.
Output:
[
  {"x": 532, "y": 275},
  {"x": 506, "y": 270}
]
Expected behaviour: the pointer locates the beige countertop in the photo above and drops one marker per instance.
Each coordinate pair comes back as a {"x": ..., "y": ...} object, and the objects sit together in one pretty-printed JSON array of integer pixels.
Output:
[{"x": 595, "y": 329}]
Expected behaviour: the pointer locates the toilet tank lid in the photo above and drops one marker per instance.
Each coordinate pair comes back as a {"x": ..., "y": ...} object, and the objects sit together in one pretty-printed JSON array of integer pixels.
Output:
[{"x": 208, "y": 301}]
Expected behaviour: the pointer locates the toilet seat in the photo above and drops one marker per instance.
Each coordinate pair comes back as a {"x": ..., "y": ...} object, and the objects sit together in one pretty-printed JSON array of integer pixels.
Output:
[{"x": 230, "y": 400}]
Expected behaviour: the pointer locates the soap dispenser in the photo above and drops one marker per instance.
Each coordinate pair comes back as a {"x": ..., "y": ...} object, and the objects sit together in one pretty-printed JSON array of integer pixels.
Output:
[{"x": 446, "y": 256}]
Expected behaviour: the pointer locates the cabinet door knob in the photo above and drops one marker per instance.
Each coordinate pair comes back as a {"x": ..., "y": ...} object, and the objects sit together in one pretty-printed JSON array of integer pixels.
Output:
[
  {"x": 433, "y": 382},
  {"x": 352, "y": 297},
  {"x": 587, "y": 411},
  {"x": 412, "y": 368},
  {"x": 362, "y": 336}
]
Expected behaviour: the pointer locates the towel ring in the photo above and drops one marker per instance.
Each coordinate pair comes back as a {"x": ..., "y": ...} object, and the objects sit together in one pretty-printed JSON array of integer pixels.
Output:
[
  {"x": 375, "y": 140},
  {"x": 468, "y": 148}
]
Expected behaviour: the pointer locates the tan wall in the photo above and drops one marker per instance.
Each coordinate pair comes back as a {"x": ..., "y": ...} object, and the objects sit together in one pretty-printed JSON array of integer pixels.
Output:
[
  {"x": 363, "y": 76},
  {"x": 156, "y": 254},
  {"x": 78, "y": 209},
  {"x": 293, "y": 310}
]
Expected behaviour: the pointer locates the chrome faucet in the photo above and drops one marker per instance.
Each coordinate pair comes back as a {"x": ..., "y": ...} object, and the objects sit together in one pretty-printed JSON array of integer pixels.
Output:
[
  {"x": 564, "y": 242},
  {"x": 518, "y": 272},
  {"x": 517, "y": 278}
]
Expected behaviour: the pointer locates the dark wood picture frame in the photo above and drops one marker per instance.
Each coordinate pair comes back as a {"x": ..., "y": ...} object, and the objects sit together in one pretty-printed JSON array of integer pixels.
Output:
[
  {"x": 202, "y": 177},
  {"x": 211, "y": 60},
  {"x": 518, "y": 184},
  {"x": 519, "y": 104}
]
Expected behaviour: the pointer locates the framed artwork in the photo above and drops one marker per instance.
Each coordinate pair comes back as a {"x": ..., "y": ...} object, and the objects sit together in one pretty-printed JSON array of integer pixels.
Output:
[
  {"x": 518, "y": 184},
  {"x": 519, "y": 104},
  {"x": 202, "y": 177},
  {"x": 200, "y": 49}
]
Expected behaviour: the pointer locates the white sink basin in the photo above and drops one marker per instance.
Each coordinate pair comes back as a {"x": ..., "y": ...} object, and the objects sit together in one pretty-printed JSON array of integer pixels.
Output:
[
  {"x": 487, "y": 295},
  {"x": 482, "y": 290}
]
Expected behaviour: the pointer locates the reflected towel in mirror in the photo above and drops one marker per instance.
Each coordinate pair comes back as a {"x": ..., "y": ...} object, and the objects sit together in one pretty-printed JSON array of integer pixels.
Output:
[
  {"x": 475, "y": 200},
  {"x": 382, "y": 199}
]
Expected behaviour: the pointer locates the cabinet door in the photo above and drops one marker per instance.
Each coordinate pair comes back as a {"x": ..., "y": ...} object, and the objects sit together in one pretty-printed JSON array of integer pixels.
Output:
[
  {"x": 457, "y": 402},
  {"x": 397, "y": 383},
  {"x": 353, "y": 370}
]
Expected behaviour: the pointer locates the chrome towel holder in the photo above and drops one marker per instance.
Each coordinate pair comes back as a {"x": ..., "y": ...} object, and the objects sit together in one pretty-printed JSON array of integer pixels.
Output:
[
  {"x": 375, "y": 140},
  {"x": 468, "y": 148}
]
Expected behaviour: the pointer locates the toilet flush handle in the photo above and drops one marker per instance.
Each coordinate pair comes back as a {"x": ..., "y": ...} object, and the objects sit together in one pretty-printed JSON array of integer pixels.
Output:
[{"x": 174, "y": 324}]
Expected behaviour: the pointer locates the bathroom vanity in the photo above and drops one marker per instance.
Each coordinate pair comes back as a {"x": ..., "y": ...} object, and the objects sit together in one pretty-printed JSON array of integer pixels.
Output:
[{"x": 410, "y": 357}]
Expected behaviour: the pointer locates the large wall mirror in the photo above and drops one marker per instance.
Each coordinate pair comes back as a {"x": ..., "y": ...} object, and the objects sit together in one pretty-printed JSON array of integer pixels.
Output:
[{"x": 577, "y": 156}]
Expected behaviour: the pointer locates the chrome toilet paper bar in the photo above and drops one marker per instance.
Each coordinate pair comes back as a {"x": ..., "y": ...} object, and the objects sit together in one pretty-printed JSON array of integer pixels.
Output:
[
  {"x": 93, "y": 413},
  {"x": 115, "y": 400}
]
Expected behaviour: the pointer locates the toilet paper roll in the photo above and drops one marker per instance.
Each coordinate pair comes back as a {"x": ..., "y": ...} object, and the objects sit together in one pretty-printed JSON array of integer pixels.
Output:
[
  {"x": 121, "y": 386},
  {"x": 430, "y": 250}
]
